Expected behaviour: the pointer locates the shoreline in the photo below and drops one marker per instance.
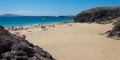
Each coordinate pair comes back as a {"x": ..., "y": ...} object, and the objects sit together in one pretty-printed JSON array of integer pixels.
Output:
[{"x": 34, "y": 25}]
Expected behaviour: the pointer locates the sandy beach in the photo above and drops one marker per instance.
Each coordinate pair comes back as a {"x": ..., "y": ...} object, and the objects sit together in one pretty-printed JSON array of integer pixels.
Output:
[{"x": 76, "y": 42}]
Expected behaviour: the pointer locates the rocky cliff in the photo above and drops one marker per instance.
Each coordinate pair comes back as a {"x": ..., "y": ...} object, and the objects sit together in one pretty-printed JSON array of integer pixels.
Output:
[
  {"x": 98, "y": 15},
  {"x": 14, "y": 48}
]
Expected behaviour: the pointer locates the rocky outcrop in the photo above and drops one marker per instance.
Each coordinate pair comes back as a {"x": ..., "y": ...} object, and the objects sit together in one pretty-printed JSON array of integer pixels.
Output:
[
  {"x": 115, "y": 32},
  {"x": 98, "y": 15},
  {"x": 15, "y": 48}
]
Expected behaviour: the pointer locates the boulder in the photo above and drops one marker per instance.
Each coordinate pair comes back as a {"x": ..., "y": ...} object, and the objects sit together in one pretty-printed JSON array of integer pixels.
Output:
[
  {"x": 115, "y": 32},
  {"x": 101, "y": 15},
  {"x": 15, "y": 48}
]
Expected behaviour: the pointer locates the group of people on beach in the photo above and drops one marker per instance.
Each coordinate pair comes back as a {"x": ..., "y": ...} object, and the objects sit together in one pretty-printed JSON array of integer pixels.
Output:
[
  {"x": 13, "y": 28},
  {"x": 23, "y": 36},
  {"x": 44, "y": 27}
]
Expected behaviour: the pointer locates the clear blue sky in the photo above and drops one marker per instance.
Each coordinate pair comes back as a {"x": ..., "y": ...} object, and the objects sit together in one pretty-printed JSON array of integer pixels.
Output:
[{"x": 52, "y": 7}]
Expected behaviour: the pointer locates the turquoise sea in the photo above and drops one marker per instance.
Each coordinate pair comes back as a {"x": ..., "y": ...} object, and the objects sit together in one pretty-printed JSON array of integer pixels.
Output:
[{"x": 26, "y": 21}]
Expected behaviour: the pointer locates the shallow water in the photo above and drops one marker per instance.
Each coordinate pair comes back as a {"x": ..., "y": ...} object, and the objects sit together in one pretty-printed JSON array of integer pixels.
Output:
[{"x": 24, "y": 21}]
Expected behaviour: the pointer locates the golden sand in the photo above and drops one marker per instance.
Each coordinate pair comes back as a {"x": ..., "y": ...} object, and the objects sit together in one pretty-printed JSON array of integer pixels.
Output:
[{"x": 76, "y": 42}]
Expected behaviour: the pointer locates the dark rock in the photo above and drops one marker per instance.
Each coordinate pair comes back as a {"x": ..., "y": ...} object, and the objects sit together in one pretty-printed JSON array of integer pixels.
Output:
[
  {"x": 8, "y": 54},
  {"x": 99, "y": 15},
  {"x": 33, "y": 58},
  {"x": 115, "y": 32},
  {"x": 3, "y": 59},
  {"x": 20, "y": 53},
  {"x": 14, "y": 48},
  {"x": 21, "y": 57},
  {"x": 40, "y": 52}
]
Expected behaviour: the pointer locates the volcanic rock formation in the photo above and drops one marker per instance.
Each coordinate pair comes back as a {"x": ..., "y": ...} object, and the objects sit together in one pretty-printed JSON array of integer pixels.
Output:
[
  {"x": 99, "y": 15},
  {"x": 15, "y": 48},
  {"x": 115, "y": 32}
]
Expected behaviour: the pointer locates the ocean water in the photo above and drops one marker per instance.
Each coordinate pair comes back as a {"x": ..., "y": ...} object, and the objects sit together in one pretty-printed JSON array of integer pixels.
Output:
[{"x": 26, "y": 21}]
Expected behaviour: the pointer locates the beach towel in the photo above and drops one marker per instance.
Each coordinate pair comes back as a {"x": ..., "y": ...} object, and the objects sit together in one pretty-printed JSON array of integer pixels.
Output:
[{"x": 22, "y": 36}]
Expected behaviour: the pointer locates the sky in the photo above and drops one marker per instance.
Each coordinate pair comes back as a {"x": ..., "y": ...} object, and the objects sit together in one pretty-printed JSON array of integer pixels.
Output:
[{"x": 51, "y": 7}]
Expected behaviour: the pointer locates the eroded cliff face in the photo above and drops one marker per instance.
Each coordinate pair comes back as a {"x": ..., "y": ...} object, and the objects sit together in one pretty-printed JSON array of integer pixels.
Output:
[
  {"x": 99, "y": 15},
  {"x": 15, "y": 48}
]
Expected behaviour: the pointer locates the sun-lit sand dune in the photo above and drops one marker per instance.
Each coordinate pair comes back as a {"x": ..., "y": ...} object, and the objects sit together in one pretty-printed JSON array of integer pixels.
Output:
[{"x": 76, "y": 42}]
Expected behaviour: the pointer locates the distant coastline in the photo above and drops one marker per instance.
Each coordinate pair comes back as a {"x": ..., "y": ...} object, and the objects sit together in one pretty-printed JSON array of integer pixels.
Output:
[{"x": 15, "y": 15}]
